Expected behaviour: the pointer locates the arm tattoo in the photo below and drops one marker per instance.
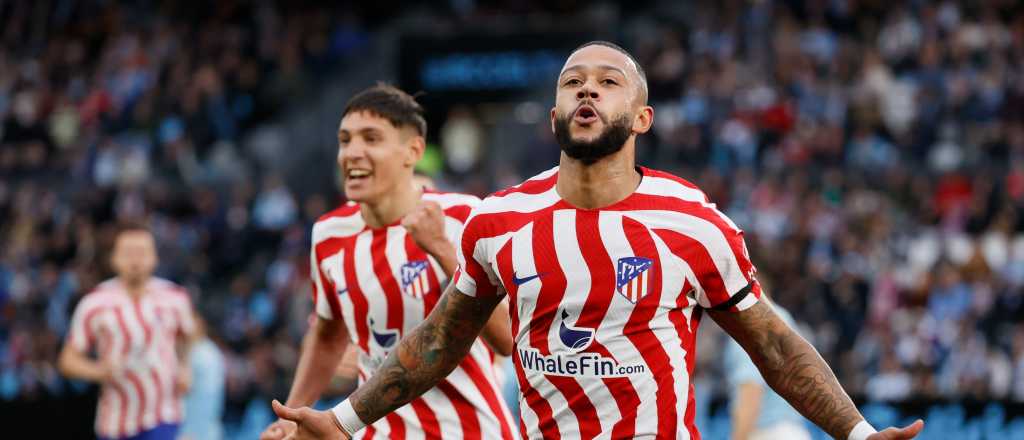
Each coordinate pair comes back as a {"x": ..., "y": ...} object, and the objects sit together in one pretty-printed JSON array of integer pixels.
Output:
[
  {"x": 425, "y": 356},
  {"x": 792, "y": 367}
]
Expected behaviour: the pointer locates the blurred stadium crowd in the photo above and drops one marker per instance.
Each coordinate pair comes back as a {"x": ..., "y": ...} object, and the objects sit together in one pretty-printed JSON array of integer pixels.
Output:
[{"x": 873, "y": 152}]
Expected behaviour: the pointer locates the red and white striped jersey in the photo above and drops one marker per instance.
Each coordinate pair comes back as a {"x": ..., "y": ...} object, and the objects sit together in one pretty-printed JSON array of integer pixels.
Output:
[
  {"x": 382, "y": 285},
  {"x": 605, "y": 303},
  {"x": 140, "y": 337}
]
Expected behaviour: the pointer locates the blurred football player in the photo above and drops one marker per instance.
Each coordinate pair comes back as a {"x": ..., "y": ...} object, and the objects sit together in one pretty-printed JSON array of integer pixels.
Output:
[{"x": 379, "y": 265}]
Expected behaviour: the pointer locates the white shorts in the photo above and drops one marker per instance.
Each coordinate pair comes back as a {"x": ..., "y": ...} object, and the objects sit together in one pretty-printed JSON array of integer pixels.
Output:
[{"x": 785, "y": 430}]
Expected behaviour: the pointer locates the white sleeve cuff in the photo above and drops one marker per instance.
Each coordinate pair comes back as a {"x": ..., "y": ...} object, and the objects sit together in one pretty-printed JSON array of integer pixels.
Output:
[
  {"x": 861, "y": 431},
  {"x": 347, "y": 417}
]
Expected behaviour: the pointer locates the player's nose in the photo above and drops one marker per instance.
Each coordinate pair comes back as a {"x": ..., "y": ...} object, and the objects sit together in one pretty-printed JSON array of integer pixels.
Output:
[{"x": 587, "y": 92}]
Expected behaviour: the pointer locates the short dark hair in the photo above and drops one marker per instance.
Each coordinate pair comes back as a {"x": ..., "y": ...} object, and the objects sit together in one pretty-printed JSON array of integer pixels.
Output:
[
  {"x": 391, "y": 103},
  {"x": 617, "y": 48},
  {"x": 132, "y": 226}
]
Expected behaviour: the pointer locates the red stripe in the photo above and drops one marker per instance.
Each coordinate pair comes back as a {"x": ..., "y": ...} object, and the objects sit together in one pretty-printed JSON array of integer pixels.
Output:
[
  {"x": 396, "y": 425},
  {"x": 700, "y": 261},
  {"x": 87, "y": 323},
  {"x": 124, "y": 331},
  {"x": 467, "y": 415},
  {"x": 599, "y": 299},
  {"x": 458, "y": 212},
  {"x": 322, "y": 251},
  {"x": 553, "y": 286},
  {"x": 642, "y": 337},
  {"x": 392, "y": 290},
  {"x": 427, "y": 418},
  {"x": 122, "y": 424},
  {"x": 487, "y": 389},
  {"x": 369, "y": 432},
  {"x": 687, "y": 333},
  {"x": 531, "y": 186},
  {"x": 159, "y": 396},
  {"x": 540, "y": 406},
  {"x": 360, "y": 308},
  {"x": 137, "y": 384}
]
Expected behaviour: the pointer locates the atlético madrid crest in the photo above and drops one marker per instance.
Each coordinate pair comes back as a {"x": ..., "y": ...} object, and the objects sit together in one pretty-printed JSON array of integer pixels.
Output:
[
  {"x": 414, "y": 278},
  {"x": 632, "y": 277}
]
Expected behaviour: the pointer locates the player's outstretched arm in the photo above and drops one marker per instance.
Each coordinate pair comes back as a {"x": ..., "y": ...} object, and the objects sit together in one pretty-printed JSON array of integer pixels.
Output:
[
  {"x": 795, "y": 370},
  {"x": 423, "y": 358}
]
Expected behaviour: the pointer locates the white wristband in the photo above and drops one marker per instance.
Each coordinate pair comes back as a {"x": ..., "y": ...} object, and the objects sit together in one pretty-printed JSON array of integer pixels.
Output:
[
  {"x": 861, "y": 431},
  {"x": 347, "y": 417}
]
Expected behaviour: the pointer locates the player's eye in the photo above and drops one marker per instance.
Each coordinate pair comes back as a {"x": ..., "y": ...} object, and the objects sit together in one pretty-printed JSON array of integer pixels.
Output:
[
  {"x": 573, "y": 82},
  {"x": 609, "y": 81}
]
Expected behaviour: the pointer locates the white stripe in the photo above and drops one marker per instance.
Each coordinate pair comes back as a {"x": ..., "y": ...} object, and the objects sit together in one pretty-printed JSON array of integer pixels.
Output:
[
  {"x": 526, "y": 301},
  {"x": 323, "y": 307},
  {"x": 133, "y": 338},
  {"x": 568, "y": 423},
  {"x": 612, "y": 327},
  {"x": 665, "y": 330},
  {"x": 377, "y": 304},
  {"x": 332, "y": 227},
  {"x": 413, "y": 428},
  {"x": 447, "y": 200},
  {"x": 705, "y": 233},
  {"x": 660, "y": 186},
  {"x": 447, "y": 418},
  {"x": 578, "y": 275}
]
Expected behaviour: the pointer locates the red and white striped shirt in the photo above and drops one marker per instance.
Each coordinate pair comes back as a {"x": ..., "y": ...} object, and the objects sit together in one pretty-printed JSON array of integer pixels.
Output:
[
  {"x": 382, "y": 285},
  {"x": 605, "y": 302},
  {"x": 139, "y": 336}
]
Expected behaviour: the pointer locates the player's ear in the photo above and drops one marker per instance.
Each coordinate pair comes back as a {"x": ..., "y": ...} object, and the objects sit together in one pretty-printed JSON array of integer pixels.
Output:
[
  {"x": 644, "y": 120},
  {"x": 417, "y": 146},
  {"x": 553, "y": 118}
]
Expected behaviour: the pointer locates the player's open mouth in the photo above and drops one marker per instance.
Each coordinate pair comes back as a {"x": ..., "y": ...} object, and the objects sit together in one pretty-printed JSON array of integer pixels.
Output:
[
  {"x": 585, "y": 115},
  {"x": 356, "y": 175}
]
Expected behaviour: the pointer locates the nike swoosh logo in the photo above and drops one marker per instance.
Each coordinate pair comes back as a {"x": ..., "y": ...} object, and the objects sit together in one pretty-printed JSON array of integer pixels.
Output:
[
  {"x": 342, "y": 291},
  {"x": 520, "y": 281}
]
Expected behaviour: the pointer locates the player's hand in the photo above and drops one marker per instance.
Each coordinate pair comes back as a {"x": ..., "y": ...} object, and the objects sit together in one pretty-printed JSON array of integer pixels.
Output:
[
  {"x": 909, "y": 431},
  {"x": 183, "y": 380},
  {"x": 310, "y": 424},
  {"x": 109, "y": 371},
  {"x": 426, "y": 226},
  {"x": 278, "y": 430}
]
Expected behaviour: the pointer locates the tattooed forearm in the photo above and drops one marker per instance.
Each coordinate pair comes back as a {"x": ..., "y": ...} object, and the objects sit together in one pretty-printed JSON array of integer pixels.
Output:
[
  {"x": 792, "y": 367},
  {"x": 425, "y": 356}
]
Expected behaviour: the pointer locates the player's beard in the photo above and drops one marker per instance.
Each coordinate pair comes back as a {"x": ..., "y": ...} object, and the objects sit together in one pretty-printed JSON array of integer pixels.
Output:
[{"x": 610, "y": 141}]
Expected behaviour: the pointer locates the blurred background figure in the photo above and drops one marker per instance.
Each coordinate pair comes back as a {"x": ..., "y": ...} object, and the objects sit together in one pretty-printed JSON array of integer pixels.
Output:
[
  {"x": 140, "y": 328},
  {"x": 758, "y": 413},
  {"x": 204, "y": 404}
]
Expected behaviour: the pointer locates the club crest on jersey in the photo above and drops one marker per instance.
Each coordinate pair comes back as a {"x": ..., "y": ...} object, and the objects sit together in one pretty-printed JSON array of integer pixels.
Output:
[
  {"x": 415, "y": 282},
  {"x": 632, "y": 277},
  {"x": 574, "y": 338}
]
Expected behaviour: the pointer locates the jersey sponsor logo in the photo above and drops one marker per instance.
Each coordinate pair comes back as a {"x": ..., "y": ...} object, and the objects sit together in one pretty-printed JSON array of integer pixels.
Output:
[
  {"x": 577, "y": 362},
  {"x": 632, "y": 277},
  {"x": 520, "y": 281},
  {"x": 384, "y": 340},
  {"x": 576, "y": 339},
  {"x": 415, "y": 282}
]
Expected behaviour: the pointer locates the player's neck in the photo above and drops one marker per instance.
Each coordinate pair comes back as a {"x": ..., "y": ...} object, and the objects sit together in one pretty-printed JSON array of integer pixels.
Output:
[
  {"x": 134, "y": 288},
  {"x": 391, "y": 207},
  {"x": 601, "y": 184}
]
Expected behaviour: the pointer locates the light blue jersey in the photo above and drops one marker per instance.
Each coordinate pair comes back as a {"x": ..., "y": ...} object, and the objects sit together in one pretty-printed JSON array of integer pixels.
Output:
[
  {"x": 204, "y": 404},
  {"x": 740, "y": 369}
]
